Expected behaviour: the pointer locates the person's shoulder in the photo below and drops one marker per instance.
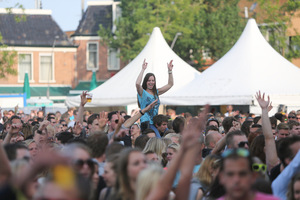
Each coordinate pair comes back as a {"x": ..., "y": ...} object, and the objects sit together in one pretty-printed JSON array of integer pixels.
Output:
[{"x": 262, "y": 196}]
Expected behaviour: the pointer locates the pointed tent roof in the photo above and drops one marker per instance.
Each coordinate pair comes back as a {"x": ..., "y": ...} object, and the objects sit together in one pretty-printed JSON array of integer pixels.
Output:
[
  {"x": 120, "y": 90},
  {"x": 250, "y": 65}
]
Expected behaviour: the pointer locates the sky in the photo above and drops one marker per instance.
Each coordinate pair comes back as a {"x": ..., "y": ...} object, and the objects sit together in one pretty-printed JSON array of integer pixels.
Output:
[{"x": 66, "y": 13}]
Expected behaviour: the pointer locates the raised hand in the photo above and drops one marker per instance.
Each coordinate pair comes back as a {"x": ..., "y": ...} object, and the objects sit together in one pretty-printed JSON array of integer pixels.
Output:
[
  {"x": 261, "y": 100},
  {"x": 83, "y": 98},
  {"x": 44, "y": 124},
  {"x": 170, "y": 65},
  {"x": 77, "y": 129},
  {"x": 270, "y": 107},
  {"x": 145, "y": 64},
  {"x": 103, "y": 119},
  {"x": 193, "y": 131}
]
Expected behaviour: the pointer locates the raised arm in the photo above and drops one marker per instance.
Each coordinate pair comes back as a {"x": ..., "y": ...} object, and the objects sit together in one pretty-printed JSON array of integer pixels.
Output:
[
  {"x": 271, "y": 152},
  {"x": 5, "y": 171},
  {"x": 83, "y": 101},
  {"x": 140, "y": 77},
  {"x": 187, "y": 153},
  {"x": 170, "y": 81},
  {"x": 134, "y": 118}
]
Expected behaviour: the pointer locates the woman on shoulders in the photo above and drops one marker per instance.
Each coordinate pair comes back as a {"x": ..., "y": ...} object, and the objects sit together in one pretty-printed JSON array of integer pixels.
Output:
[{"x": 147, "y": 93}]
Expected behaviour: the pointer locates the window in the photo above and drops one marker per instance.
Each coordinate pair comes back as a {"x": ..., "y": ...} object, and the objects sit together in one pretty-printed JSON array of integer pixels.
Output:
[
  {"x": 113, "y": 60},
  {"x": 25, "y": 65},
  {"x": 46, "y": 68},
  {"x": 92, "y": 56}
]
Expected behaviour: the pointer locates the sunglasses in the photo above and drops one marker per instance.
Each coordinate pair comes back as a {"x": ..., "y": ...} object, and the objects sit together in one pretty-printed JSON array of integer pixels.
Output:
[
  {"x": 259, "y": 167},
  {"x": 79, "y": 163},
  {"x": 293, "y": 117},
  {"x": 64, "y": 124},
  {"x": 242, "y": 144},
  {"x": 240, "y": 152}
]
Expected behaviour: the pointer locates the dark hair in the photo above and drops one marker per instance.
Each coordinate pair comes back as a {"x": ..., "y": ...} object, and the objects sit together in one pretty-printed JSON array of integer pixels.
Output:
[
  {"x": 256, "y": 119},
  {"x": 283, "y": 126},
  {"x": 273, "y": 121},
  {"x": 211, "y": 128},
  {"x": 62, "y": 120},
  {"x": 293, "y": 123},
  {"x": 262, "y": 185},
  {"x": 227, "y": 123},
  {"x": 284, "y": 151},
  {"x": 109, "y": 116},
  {"x": 14, "y": 117},
  {"x": 113, "y": 148},
  {"x": 92, "y": 118},
  {"x": 11, "y": 150},
  {"x": 212, "y": 119},
  {"x": 64, "y": 137},
  {"x": 97, "y": 143},
  {"x": 50, "y": 114},
  {"x": 246, "y": 127},
  {"x": 230, "y": 136},
  {"x": 159, "y": 119},
  {"x": 257, "y": 148},
  {"x": 178, "y": 124},
  {"x": 290, "y": 191},
  {"x": 144, "y": 84},
  {"x": 141, "y": 141},
  {"x": 123, "y": 187}
]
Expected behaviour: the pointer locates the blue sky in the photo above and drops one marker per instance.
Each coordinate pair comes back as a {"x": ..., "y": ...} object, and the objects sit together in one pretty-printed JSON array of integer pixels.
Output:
[{"x": 66, "y": 13}]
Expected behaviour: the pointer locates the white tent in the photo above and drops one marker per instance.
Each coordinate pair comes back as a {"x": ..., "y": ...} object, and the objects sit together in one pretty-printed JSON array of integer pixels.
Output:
[
  {"x": 120, "y": 90},
  {"x": 250, "y": 65}
]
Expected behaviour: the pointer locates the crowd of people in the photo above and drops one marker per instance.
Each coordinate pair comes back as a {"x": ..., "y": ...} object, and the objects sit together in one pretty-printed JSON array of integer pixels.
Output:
[{"x": 106, "y": 156}]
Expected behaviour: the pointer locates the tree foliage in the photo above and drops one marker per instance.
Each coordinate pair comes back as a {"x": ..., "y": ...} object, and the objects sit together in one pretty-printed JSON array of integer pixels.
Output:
[
  {"x": 8, "y": 58},
  {"x": 206, "y": 25},
  {"x": 275, "y": 19}
]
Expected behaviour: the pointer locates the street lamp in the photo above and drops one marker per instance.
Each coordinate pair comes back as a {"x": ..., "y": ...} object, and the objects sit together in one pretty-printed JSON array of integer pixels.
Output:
[
  {"x": 175, "y": 38},
  {"x": 53, "y": 46}
]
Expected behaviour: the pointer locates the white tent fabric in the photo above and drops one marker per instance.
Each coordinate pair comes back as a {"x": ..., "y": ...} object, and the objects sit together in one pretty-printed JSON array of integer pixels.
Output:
[
  {"x": 120, "y": 90},
  {"x": 250, "y": 65}
]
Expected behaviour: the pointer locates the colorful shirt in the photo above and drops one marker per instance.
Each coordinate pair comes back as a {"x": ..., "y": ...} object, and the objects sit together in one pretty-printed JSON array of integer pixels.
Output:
[{"x": 145, "y": 100}]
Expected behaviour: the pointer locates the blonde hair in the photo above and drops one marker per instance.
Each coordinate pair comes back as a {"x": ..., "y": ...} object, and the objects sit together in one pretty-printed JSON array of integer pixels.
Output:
[
  {"x": 175, "y": 135},
  {"x": 210, "y": 163},
  {"x": 147, "y": 180},
  {"x": 50, "y": 131},
  {"x": 174, "y": 146},
  {"x": 156, "y": 145}
]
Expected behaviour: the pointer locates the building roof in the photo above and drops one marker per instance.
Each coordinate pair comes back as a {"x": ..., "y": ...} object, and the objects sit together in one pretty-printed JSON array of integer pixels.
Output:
[
  {"x": 92, "y": 18},
  {"x": 37, "y": 29}
]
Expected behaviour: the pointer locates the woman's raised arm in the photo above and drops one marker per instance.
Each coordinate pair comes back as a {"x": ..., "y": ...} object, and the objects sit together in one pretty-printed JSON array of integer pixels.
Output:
[
  {"x": 140, "y": 77},
  {"x": 170, "y": 81}
]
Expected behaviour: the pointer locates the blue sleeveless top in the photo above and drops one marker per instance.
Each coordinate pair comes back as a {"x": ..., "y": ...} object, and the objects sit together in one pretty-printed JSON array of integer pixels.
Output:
[{"x": 144, "y": 101}]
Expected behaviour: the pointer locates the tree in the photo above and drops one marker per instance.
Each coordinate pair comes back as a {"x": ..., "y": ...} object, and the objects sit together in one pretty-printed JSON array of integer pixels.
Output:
[
  {"x": 212, "y": 26},
  {"x": 8, "y": 57},
  {"x": 275, "y": 19}
]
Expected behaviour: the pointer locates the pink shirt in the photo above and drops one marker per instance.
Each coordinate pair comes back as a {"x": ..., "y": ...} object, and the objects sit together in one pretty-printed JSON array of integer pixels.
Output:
[{"x": 258, "y": 196}]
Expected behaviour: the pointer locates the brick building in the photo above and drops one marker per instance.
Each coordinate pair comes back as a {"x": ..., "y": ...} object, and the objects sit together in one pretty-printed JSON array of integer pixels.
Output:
[{"x": 44, "y": 52}]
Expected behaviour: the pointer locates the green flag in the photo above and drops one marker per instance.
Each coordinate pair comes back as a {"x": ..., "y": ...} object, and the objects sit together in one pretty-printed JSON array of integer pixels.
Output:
[
  {"x": 93, "y": 84},
  {"x": 26, "y": 87}
]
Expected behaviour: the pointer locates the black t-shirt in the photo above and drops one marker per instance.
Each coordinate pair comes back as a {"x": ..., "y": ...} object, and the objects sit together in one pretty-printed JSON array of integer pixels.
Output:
[{"x": 275, "y": 171}]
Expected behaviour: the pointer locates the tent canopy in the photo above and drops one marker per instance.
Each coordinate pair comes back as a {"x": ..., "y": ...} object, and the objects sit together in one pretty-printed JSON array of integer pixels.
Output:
[
  {"x": 250, "y": 65},
  {"x": 120, "y": 90}
]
